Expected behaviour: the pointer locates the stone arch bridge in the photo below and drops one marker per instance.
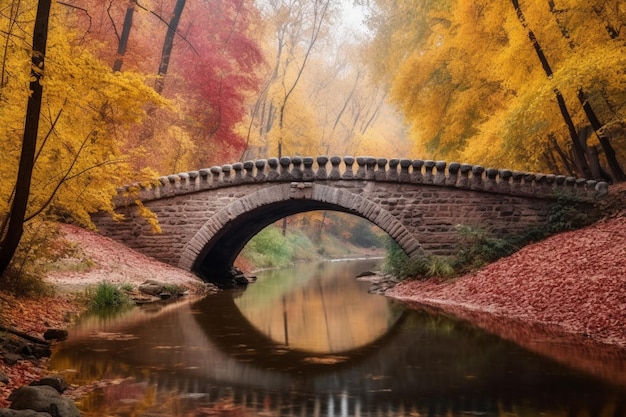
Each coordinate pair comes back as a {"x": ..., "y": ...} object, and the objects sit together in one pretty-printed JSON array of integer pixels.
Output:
[{"x": 207, "y": 216}]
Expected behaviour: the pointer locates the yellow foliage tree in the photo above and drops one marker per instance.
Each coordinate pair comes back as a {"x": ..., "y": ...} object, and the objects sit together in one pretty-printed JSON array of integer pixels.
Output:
[
  {"x": 519, "y": 84},
  {"x": 85, "y": 110}
]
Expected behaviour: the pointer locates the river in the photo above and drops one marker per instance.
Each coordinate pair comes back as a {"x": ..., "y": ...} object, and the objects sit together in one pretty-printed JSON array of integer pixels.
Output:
[{"x": 311, "y": 341}]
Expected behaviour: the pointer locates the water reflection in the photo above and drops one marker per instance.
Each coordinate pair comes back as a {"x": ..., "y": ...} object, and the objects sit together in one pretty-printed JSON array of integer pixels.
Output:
[
  {"x": 200, "y": 358},
  {"x": 317, "y": 308}
]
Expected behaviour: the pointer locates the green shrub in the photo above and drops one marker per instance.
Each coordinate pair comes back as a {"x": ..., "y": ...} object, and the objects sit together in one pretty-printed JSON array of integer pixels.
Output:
[
  {"x": 397, "y": 263},
  {"x": 478, "y": 248},
  {"x": 566, "y": 213},
  {"x": 107, "y": 296},
  {"x": 267, "y": 248},
  {"x": 174, "y": 289}
]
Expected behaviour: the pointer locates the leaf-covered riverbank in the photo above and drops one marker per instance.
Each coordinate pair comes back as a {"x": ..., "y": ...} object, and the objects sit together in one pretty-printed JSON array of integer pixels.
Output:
[{"x": 574, "y": 282}]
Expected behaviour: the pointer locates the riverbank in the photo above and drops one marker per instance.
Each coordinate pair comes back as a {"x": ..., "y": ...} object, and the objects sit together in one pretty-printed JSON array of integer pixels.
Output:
[
  {"x": 97, "y": 259},
  {"x": 573, "y": 283}
]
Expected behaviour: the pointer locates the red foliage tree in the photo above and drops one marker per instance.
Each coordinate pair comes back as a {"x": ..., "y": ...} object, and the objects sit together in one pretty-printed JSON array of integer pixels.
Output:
[
  {"x": 218, "y": 64},
  {"x": 212, "y": 66}
]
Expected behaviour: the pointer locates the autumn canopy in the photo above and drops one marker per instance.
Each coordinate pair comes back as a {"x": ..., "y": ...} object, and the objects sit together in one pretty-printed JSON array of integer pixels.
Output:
[{"x": 133, "y": 89}]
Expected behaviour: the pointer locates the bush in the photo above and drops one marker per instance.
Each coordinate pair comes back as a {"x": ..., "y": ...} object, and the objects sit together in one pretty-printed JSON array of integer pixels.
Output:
[
  {"x": 567, "y": 214},
  {"x": 479, "y": 248},
  {"x": 268, "y": 248},
  {"x": 107, "y": 296},
  {"x": 397, "y": 263},
  {"x": 174, "y": 289}
]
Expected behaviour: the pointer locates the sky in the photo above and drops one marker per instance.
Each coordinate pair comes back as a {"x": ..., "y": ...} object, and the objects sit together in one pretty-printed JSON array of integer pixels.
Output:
[{"x": 353, "y": 17}]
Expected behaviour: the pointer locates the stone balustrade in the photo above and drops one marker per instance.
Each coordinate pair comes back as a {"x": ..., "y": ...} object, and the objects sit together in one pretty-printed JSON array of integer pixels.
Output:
[{"x": 323, "y": 168}]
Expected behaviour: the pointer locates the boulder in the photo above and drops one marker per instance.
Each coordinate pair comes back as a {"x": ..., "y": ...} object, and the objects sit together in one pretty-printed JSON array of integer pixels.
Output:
[
  {"x": 55, "y": 334},
  {"x": 11, "y": 358},
  {"x": 43, "y": 398},
  {"x": 5, "y": 412},
  {"x": 3, "y": 378},
  {"x": 151, "y": 287},
  {"x": 55, "y": 382}
]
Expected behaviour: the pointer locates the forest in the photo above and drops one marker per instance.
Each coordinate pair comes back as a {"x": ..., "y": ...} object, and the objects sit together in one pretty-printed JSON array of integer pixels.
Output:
[{"x": 95, "y": 94}]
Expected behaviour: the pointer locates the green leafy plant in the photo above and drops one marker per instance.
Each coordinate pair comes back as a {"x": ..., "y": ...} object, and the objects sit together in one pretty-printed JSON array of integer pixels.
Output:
[
  {"x": 174, "y": 289},
  {"x": 400, "y": 265},
  {"x": 566, "y": 213},
  {"x": 478, "y": 248},
  {"x": 107, "y": 296}
]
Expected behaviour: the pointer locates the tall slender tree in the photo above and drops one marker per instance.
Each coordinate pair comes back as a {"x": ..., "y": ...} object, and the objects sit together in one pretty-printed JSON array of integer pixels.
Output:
[{"x": 10, "y": 238}]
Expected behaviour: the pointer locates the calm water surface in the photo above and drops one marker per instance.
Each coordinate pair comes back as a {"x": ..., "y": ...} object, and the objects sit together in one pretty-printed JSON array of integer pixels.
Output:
[{"x": 310, "y": 341}]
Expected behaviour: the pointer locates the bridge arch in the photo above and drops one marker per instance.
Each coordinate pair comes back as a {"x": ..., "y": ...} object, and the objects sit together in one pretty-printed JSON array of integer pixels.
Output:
[{"x": 215, "y": 246}]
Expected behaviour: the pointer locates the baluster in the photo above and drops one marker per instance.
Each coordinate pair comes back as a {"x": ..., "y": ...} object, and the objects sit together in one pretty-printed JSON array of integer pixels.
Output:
[
  {"x": 296, "y": 171},
  {"x": 477, "y": 178},
  {"x": 273, "y": 175},
  {"x": 362, "y": 163},
  {"x": 238, "y": 168},
  {"x": 381, "y": 174},
  {"x": 308, "y": 173},
  {"x": 321, "y": 168},
  {"x": 453, "y": 173},
  {"x": 215, "y": 176},
  {"x": 392, "y": 172},
  {"x": 249, "y": 167},
  {"x": 227, "y": 178},
  {"x": 405, "y": 164},
  {"x": 260, "y": 170},
  {"x": 463, "y": 181},
  {"x": 491, "y": 183},
  {"x": 369, "y": 171},
  {"x": 504, "y": 185},
  {"x": 285, "y": 163},
  {"x": 440, "y": 176},
  {"x": 416, "y": 174},
  {"x": 349, "y": 162},
  {"x": 428, "y": 171}
]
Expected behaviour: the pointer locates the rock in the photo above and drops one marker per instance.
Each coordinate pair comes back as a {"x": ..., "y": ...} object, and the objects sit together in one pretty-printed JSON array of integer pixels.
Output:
[
  {"x": 240, "y": 280},
  {"x": 55, "y": 334},
  {"x": 5, "y": 412},
  {"x": 55, "y": 382},
  {"x": 3, "y": 378},
  {"x": 43, "y": 398},
  {"x": 39, "y": 351},
  {"x": 11, "y": 358},
  {"x": 151, "y": 287}
]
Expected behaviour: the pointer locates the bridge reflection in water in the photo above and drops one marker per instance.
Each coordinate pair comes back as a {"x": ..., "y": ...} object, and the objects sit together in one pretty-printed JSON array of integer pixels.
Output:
[{"x": 206, "y": 357}]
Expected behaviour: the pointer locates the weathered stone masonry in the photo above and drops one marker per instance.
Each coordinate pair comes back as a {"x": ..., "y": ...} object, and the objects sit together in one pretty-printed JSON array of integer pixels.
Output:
[{"x": 207, "y": 216}]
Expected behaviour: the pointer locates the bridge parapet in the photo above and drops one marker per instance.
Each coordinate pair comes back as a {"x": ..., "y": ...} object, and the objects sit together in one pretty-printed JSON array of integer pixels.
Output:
[{"x": 308, "y": 169}]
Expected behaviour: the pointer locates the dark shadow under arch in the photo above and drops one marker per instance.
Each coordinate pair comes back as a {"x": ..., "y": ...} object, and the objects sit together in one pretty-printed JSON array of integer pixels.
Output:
[{"x": 212, "y": 251}]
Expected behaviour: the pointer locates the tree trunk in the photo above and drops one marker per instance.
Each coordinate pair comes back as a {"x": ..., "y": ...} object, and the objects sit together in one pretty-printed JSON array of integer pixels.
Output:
[
  {"x": 15, "y": 229},
  {"x": 579, "y": 154},
  {"x": 609, "y": 152},
  {"x": 564, "y": 158},
  {"x": 123, "y": 41},
  {"x": 168, "y": 44}
]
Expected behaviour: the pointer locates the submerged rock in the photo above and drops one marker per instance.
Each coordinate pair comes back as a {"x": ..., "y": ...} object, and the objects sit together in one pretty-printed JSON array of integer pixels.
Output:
[{"x": 44, "y": 399}]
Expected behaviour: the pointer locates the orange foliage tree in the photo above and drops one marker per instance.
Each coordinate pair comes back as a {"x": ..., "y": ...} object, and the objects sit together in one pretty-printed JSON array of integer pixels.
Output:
[{"x": 528, "y": 85}]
